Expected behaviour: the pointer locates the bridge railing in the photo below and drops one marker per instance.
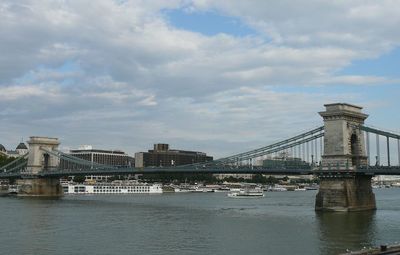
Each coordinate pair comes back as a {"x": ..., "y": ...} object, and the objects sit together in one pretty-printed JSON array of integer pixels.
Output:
[
  {"x": 274, "y": 145},
  {"x": 386, "y": 156},
  {"x": 304, "y": 138},
  {"x": 70, "y": 158},
  {"x": 16, "y": 165}
]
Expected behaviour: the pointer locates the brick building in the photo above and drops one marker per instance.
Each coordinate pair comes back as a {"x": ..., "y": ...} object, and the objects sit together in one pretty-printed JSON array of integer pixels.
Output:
[{"x": 162, "y": 156}]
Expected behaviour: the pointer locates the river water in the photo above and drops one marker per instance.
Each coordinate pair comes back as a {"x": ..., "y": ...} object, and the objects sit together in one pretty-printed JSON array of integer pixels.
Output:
[{"x": 192, "y": 223}]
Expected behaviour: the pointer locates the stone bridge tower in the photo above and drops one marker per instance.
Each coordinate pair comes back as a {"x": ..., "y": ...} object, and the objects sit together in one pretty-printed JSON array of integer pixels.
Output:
[
  {"x": 39, "y": 160},
  {"x": 341, "y": 187},
  {"x": 343, "y": 141}
]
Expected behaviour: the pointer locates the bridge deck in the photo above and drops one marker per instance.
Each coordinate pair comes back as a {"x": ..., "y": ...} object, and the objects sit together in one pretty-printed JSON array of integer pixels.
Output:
[{"x": 175, "y": 170}]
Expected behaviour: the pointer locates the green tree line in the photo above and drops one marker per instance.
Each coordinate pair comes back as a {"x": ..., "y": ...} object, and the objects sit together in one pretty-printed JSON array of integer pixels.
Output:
[{"x": 5, "y": 160}]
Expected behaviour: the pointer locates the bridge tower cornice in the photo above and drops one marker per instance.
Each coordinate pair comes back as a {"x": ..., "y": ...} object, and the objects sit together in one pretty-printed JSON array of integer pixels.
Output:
[
  {"x": 344, "y": 115},
  {"x": 343, "y": 111}
]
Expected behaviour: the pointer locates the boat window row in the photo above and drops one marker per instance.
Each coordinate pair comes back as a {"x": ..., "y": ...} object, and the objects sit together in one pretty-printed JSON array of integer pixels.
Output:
[{"x": 119, "y": 188}]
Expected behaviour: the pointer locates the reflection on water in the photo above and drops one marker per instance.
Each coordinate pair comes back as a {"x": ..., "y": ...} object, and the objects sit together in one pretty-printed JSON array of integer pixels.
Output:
[{"x": 339, "y": 231}]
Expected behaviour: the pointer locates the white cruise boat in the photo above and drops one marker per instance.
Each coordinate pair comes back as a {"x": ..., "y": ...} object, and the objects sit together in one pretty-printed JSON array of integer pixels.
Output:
[
  {"x": 247, "y": 193},
  {"x": 276, "y": 188},
  {"x": 112, "y": 188},
  {"x": 13, "y": 189}
]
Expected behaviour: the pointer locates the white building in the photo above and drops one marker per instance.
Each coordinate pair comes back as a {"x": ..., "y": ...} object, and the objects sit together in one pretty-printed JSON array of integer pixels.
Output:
[
  {"x": 18, "y": 152},
  {"x": 106, "y": 157}
]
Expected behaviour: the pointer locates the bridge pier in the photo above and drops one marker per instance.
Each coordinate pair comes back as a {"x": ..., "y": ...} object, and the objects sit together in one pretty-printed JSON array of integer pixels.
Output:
[
  {"x": 39, "y": 160},
  {"x": 39, "y": 187},
  {"x": 351, "y": 193},
  {"x": 341, "y": 188}
]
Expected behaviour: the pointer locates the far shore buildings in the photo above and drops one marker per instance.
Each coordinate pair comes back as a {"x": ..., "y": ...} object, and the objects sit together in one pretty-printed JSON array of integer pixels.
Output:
[
  {"x": 101, "y": 156},
  {"x": 280, "y": 161},
  {"x": 163, "y": 156},
  {"x": 18, "y": 152},
  {"x": 115, "y": 158}
]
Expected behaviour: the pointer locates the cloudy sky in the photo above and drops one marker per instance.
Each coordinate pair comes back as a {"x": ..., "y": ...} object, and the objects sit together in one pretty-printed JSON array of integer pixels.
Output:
[{"x": 215, "y": 76}]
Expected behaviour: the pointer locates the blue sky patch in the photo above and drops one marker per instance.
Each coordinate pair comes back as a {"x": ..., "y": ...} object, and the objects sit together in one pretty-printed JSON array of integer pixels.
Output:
[
  {"x": 386, "y": 65},
  {"x": 69, "y": 66},
  {"x": 208, "y": 23}
]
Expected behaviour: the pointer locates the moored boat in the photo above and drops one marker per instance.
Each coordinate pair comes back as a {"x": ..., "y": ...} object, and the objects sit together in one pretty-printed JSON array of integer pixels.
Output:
[
  {"x": 247, "y": 193},
  {"x": 13, "y": 189},
  {"x": 276, "y": 188},
  {"x": 112, "y": 188}
]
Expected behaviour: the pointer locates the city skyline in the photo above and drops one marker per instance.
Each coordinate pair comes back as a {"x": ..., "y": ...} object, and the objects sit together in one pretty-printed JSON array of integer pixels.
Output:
[{"x": 199, "y": 75}]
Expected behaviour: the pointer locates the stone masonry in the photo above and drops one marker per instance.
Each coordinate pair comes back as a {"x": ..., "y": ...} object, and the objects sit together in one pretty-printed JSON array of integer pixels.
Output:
[
  {"x": 341, "y": 188},
  {"x": 38, "y": 161}
]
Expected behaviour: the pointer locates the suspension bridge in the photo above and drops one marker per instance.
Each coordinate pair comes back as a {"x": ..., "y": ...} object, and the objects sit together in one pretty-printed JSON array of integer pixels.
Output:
[{"x": 344, "y": 153}]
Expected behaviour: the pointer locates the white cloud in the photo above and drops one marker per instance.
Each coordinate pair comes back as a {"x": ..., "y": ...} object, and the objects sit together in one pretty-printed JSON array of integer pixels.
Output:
[
  {"x": 356, "y": 80},
  {"x": 12, "y": 93},
  {"x": 350, "y": 24}
]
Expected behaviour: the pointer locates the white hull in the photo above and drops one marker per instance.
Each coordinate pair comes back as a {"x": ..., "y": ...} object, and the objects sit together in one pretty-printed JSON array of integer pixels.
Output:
[
  {"x": 198, "y": 190},
  {"x": 112, "y": 189},
  {"x": 247, "y": 193},
  {"x": 245, "y": 196},
  {"x": 13, "y": 189},
  {"x": 277, "y": 189}
]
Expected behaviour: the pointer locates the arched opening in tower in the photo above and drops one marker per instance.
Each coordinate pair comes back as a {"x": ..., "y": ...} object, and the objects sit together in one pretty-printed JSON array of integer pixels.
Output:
[
  {"x": 355, "y": 152},
  {"x": 46, "y": 158}
]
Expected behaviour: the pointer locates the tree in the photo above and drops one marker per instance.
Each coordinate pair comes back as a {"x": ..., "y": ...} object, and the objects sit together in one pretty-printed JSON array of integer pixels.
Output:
[
  {"x": 117, "y": 178},
  {"x": 5, "y": 160},
  {"x": 231, "y": 179},
  {"x": 272, "y": 180},
  {"x": 259, "y": 178},
  {"x": 180, "y": 178},
  {"x": 79, "y": 178}
]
